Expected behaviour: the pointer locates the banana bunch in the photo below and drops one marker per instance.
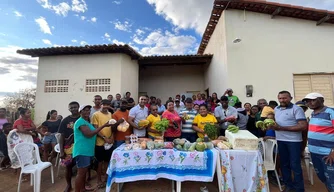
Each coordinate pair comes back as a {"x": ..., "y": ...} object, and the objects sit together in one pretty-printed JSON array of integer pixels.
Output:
[
  {"x": 233, "y": 128},
  {"x": 265, "y": 124},
  {"x": 185, "y": 116}
]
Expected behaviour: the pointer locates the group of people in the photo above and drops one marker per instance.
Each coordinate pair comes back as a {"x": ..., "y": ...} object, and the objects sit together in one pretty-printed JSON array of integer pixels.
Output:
[{"x": 88, "y": 138}]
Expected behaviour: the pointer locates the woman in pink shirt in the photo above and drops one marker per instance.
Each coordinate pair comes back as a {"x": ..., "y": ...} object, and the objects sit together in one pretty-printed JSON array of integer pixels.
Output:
[
  {"x": 174, "y": 129},
  {"x": 199, "y": 100}
]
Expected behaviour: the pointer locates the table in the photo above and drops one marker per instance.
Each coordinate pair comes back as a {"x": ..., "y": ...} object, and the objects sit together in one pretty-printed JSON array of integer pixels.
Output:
[
  {"x": 243, "y": 171},
  {"x": 128, "y": 166}
]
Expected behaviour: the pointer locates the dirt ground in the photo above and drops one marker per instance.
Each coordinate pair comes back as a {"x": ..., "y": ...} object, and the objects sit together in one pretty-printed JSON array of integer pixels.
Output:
[{"x": 8, "y": 183}]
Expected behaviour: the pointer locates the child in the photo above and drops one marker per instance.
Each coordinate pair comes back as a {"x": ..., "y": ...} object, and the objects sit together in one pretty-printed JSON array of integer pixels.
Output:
[
  {"x": 4, "y": 158},
  {"x": 153, "y": 118}
]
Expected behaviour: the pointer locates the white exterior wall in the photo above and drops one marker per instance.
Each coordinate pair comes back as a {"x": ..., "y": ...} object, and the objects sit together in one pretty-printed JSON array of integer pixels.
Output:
[
  {"x": 78, "y": 68},
  {"x": 215, "y": 75},
  {"x": 271, "y": 51},
  {"x": 129, "y": 77},
  {"x": 167, "y": 81}
]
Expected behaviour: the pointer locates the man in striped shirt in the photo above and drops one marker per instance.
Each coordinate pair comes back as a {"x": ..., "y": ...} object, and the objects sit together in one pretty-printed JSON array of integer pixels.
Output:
[
  {"x": 321, "y": 138},
  {"x": 188, "y": 114}
]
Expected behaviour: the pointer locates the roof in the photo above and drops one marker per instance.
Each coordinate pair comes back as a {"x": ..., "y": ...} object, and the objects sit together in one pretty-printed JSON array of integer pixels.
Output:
[
  {"x": 79, "y": 50},
  {"x": 175, "y": 60},
  {"x": 266, "y": 7}
]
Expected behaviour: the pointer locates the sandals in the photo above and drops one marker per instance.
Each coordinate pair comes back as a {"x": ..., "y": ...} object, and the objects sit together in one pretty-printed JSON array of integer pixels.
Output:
[{"x": 88, "y": 187}]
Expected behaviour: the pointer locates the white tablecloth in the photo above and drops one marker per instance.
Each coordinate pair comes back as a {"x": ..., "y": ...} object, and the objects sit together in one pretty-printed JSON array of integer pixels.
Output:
[
  {"x": 243, "y": 171},
  {"x": 128, "y": 166}
]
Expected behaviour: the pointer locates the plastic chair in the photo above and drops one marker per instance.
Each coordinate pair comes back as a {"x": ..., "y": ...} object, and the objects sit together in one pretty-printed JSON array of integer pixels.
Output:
[
  {"x": 308, "y": 165},
  {"x": 57, "y": 135},
  {"x": 30, "y": 163},
  {"x": 57, "y": 150},
  {"x": 269, "y": 158}
]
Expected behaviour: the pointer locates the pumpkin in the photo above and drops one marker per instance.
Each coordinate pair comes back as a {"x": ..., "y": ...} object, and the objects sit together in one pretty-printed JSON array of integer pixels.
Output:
[
  {"x": 143, "y": 145},
  {"x": 123, "y": 127},
  {"x": 143, "y": 123},
  {"x": 112, "y": 121}
]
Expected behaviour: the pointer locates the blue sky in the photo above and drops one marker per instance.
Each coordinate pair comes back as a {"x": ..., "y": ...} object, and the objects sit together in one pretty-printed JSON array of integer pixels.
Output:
[{"x": 152, "y": 27}]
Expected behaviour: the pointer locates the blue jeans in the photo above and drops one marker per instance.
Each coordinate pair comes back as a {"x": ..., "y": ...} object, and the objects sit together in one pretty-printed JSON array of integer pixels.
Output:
[
  {"x": 119, "y": 143},
  {"x": 291, "y": 161},
  {"x": 324, "y": 171},
  {"x": 83, "y": 161},
  {"x": 189, "y": 136}
]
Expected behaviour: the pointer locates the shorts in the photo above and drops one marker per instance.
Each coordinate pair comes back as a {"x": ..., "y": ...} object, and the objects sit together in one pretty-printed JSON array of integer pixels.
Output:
[
  {"x": 103, "y": 155},
  {"x": 49, "y": 139},
  {"x": 83, "y": 161}
]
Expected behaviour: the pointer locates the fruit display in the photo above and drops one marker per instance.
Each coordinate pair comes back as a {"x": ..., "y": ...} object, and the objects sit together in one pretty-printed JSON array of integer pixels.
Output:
[
  {"x": 143, "y": 123},
  {"x": 211, "y": 131},
  {"x": 123, "y": 127},
  {"x": 162, "y": 125},
  {"x": 233, "y": 128},
  {"x": 265, "y": 124}
]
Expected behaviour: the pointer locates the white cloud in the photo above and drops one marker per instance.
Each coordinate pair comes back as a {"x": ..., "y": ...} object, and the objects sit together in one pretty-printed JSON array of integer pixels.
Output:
[
  {"x": 43, "y": 25},
  {"x": 117, "y": 2},
  {"x": 82, "y": 17},
  {"x": 63, "y": 8},
  {"x": 52, "y": 27},
  {"x": 115, "y": 41},
  {"x": 46, "y": 41},
  {"x": 93, "y": 19},
  {"x": 196, "y": 17},
  {"x": 74, "y": 41},
  {"x": 83, "y": 43},
  {"x": 79, "y": 6},
  {"x": 160, "y": 42},
  {"x": 19, "y": 70},
  {"x": 18, "y": 14},
  {"x": 106, "y": 37},
  {"x": 140, "y": 32},
  {"x": 125, "y": 26}
]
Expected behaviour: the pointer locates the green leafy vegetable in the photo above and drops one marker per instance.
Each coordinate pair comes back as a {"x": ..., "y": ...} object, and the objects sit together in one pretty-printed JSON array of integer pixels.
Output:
[
  {"x": 162, "y": 125},
  {"x": 211, "y": 131}
]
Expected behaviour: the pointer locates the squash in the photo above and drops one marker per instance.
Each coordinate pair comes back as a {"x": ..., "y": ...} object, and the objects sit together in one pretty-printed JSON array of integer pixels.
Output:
[
  {"x": 112, "y": 121},
  {"x": 143, "y": 123},
  {"x": 123, "y": 127},
  {"x": 143, "y": 145},
  {"x": 186, "y": 146},
  {"x": 150, "y": 145}
]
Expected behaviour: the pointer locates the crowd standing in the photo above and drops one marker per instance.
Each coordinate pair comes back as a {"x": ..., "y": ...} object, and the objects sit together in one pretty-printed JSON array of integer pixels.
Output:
[{"x": 87, "y": 138}]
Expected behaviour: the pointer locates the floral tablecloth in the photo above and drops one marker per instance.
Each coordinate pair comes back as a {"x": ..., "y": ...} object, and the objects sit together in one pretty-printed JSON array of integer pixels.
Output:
[
  {"x": 128, "y": 166},
  {"x": 243, "y": 171}
]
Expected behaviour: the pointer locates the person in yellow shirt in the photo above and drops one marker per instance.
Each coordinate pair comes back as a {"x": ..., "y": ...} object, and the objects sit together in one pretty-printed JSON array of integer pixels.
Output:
[
  {"x": 103, "y": 154},
  {"x": 153, "y": 118},
  {"x": 202, "y": 119},
  {"x": 268, "y": 109}
]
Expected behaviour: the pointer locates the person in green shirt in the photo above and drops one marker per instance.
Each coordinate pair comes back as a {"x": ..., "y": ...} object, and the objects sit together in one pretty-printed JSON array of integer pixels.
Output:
[{"x": 232, "y": 99}]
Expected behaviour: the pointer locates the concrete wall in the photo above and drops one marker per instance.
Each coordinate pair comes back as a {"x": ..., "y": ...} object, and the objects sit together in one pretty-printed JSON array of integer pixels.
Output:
[
  {"x": 78, "y": 68},
  {"x": 216, "y": 73},
  {"x": 271, "y": 51},
  {"x": 129, "y": 76},
  {"x": 167, "y": 81}
]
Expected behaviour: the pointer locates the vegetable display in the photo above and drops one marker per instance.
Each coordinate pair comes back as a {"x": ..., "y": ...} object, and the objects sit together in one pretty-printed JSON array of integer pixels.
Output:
[
  {"x": 162, "y": 125},
  {"x": 123, "y": 127},
  {"x": 143, "y": 123},
  {"x": 233, "y": 128},
  {"x": 211, "y": 130}
]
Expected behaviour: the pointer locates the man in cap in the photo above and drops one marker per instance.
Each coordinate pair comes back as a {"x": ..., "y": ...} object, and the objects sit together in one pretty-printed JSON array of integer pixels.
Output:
[
  {"x": 321, "y": 138},
  {"x": 177, "y": 106},
  {"x": 232, "y": 99},
  {"x": 222, "y": 112}
]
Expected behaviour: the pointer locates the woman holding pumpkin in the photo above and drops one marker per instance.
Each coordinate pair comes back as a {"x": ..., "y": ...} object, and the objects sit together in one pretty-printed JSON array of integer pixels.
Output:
[
  {"x": 174, "y": 129},
  {"x": 153, "y": 118}
]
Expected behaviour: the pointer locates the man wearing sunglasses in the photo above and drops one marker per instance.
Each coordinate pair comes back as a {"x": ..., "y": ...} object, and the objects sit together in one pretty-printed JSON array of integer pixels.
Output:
[{"x": 223, "y": 114}]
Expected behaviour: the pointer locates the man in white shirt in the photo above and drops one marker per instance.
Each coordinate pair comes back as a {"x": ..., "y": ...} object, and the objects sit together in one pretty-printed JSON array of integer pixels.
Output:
[
  {"x": 177, "y": 97},
  {"x": 136, "y": 114},
  {"x": 177, "y": 106},
  {"x": 222, "y": 112}
]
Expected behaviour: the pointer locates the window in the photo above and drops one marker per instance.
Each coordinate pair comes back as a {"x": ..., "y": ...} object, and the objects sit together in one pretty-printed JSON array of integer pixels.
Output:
[
  {"x": 56, "y": 86},
  {"x": 321, "y": 83},
  {"x": 97, "y": 85}
]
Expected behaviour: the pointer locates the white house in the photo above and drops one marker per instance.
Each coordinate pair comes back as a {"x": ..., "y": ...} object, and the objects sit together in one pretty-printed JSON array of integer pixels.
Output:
[{"x": 269, "y": 46}]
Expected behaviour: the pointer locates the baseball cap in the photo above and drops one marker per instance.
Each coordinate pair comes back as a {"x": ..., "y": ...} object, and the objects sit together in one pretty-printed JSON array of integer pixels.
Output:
[
  {"x": 229, "y": 89},
  {"x": 177, "y": 100},
  {"x": 84, "y": 106},
  {"x": 312, "y": 96},
  {"x": 224, "y": 98},
  {"x": 241, "y": 109},
  {"x": 188, "y": 100},
  {"x": 301, "y": 103}
]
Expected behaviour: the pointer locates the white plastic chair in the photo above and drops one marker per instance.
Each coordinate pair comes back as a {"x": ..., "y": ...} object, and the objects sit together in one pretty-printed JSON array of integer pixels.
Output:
[
  {"x": 57, "y": 135},
  {"x": 57, "y": 150},
  {"x": 269, "y": 158},
  {"x": 30, "y": 163},
  {"x": 308, "y": 165}
]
